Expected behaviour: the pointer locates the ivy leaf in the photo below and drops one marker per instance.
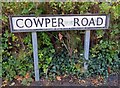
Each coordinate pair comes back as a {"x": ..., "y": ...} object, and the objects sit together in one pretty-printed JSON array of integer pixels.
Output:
[{"x": 24, "y": 82}]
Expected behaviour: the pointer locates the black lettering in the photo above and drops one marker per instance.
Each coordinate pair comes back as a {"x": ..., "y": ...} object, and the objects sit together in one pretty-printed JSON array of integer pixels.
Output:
[
  {"x": 98, "y": 21},
  {"x": 17, "y": 23},
  {"x": 84, "y": 22},
  {"x": 91, "y": 22},
  {"x": 60, "y": 21},
  {"x": 47, "y": 21},
  {"x": 30, "y": 24},
  {"x": 53, "y": 22},
  {"x": 38, "y": 22},
  {"x": 76, "y": 20}
]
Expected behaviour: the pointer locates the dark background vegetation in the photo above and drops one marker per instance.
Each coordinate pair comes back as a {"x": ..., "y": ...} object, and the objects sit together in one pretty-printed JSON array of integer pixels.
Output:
[{"x": 60, "y": 53}]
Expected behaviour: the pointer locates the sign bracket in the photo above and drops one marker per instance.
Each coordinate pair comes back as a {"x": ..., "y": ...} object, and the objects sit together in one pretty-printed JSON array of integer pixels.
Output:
[
  {"x": 86, "y": 48},
  {"x": 35, "y": 55}
]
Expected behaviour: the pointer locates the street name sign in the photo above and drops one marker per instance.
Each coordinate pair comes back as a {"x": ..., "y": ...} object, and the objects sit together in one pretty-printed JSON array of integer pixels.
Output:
[{"x": 58, "y": 22}]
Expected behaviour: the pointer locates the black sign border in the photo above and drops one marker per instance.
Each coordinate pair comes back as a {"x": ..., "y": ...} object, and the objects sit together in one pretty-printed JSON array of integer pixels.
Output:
[{"x": 60, "y": 29}]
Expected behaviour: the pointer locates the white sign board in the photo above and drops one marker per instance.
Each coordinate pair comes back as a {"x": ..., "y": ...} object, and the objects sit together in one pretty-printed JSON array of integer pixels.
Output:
[{"x": 58, "y": 22}]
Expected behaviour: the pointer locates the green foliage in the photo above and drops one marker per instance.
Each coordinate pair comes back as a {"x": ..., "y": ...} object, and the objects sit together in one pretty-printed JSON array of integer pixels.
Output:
[
  {"x": 103, "y": 9},
  {"x": 84, "y": 7},
  {"x": 104, "y": 56},
  {"x": 63, "y": 64},
  {"x": 26, "y": 81},
  {"x": 45, "y": 53},
  {"x": 17, "y": 66},
  {"x": 59, "y": 56}
]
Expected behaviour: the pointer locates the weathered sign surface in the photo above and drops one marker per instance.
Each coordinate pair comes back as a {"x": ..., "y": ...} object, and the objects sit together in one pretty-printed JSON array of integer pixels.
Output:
[{"x": 58, "y": 22}]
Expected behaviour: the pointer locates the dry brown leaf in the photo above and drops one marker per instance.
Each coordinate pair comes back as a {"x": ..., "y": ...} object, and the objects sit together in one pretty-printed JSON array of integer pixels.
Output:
[
  {"x": 109, "y": 70},
  {"x": 95, "y": 81},
  {"x": 12, "y": 84},
  {"x": 64, "y": 76},
  {"x": 16, "y": 77},
  {"x": 83, "y": 81},
  {"x": 58, "y": 78},
  {"x": 60, "y": 36},
  {"x": 100, "y": 78},
  {"x": 4, "y": 83},
  {"x": 20, "y": 78},
  {"x": 71, "y": 80},
  {"x": 27, "y": 75}
]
